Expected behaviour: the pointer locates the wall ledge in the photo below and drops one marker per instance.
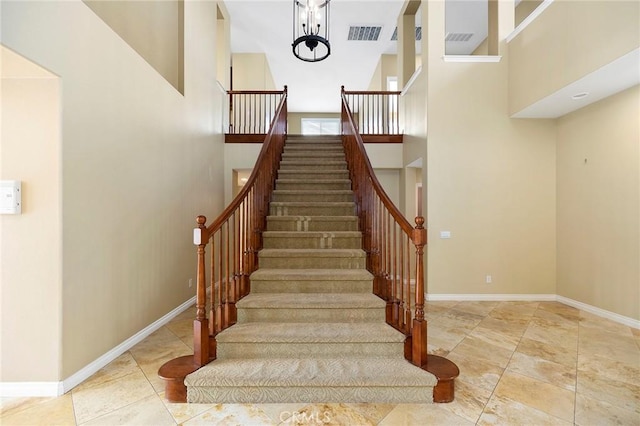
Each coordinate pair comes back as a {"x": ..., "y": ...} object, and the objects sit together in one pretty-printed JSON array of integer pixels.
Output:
[
  {"x": 630, "y": 322},
  {"x": 472, "y": 58},
  {"x": 529, "y": 19},
  {"x": 412, "y": 80}
]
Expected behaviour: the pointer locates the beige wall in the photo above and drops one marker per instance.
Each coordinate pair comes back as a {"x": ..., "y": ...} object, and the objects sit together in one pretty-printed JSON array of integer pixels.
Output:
[
  {"x": 599, "y": 204},
  {"x": 558, "y": 47},
  {"x": 387, "y": 67},
  {"x": 139, "y": 162},
  {"x": 154, "y": 29},
  {"x": 488, "y": 179},
  {"x": 30, "y": 247},
  {"x": 251, "y": 72}
]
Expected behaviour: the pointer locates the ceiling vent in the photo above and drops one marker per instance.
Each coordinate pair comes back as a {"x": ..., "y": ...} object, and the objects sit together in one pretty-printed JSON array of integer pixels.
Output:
[
  {"x": 394, "y": 37},
  {"x": 364, "y": 33},
  {"x": 458, "y": 37}
]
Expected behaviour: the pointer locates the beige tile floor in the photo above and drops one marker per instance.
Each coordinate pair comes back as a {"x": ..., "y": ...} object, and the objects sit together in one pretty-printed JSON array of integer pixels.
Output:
[{"x": 521, "y": 363}]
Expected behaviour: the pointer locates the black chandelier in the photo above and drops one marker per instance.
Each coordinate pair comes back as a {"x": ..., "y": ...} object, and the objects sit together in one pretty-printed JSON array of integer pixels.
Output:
[{"x": 311, "y": 30}]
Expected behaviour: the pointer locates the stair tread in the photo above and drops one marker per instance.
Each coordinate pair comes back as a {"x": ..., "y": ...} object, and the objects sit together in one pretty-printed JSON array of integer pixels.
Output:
[
  {"x": 326, "y": 252},
  {"x": 313, "y": 274},
  {"x": 312, "y": 191},
  {"x": 312, "y": 203},
  {"x": 317, "y": 180},
  {"x": 311, "y": 301},
  {"x": 317, "y": 234},
  {"x": 351, "y": 218},
  {"x": 253, "y": 332},
  {"x": 306, "y": 372}
]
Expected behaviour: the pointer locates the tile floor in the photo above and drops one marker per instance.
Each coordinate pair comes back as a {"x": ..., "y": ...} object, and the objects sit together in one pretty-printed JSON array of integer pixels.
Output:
[{"x": 530, "y": 363}]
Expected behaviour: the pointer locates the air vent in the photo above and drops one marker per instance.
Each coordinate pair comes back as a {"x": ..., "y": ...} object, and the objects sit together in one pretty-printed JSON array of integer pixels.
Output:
[
  {"x": 394, "y": 37},
  {"x": 367, "y": 33},
  {"x": 458, "y": 37}
]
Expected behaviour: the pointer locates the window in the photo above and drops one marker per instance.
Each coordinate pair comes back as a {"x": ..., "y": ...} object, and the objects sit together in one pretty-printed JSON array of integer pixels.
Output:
[{"x": 320, "y": 126}]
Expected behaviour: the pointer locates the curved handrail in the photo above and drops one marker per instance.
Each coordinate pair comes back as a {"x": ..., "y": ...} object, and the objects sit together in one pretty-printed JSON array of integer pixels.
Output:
[
  {"x": 387, "y": 240},
  {"x": 234, "y": 239},
  {"x": 266, "y": 147}
]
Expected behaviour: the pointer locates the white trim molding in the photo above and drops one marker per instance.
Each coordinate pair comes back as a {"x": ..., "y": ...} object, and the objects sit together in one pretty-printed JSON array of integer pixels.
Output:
[
  {"x": 472, "y": 58},
  {"x": 529, "y": 19},
  {"x": 630, "y": 322},
  {"x": 492, "y": 297},
  {"x": 412, "y": 80},
  {"x": 45, "y": 389},
  {"x": 30, "y": 389}
]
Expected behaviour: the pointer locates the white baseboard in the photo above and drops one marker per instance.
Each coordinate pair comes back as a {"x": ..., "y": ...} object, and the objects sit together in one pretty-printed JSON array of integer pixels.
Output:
[
  {"x": 630, "y": 322},
  {"x": 493, "y": 297},
  {"x": 37, "y": 389},
  {"x": 30, "y": 389}
]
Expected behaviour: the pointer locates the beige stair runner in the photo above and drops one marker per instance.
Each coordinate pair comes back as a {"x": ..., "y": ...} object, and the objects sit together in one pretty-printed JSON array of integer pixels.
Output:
[{"x": 311, "y": 330}]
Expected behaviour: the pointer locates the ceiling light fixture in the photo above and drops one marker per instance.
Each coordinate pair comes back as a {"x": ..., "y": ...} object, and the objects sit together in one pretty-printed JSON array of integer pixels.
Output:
[
  {"x": 580, "y": 95},
  {"x": 311, "y": 29}
]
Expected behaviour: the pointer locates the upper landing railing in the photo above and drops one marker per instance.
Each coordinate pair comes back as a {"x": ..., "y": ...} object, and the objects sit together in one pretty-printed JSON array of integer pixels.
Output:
[
  {"x": 375, "y": 113},
  {"x": 251, "y": 113}
]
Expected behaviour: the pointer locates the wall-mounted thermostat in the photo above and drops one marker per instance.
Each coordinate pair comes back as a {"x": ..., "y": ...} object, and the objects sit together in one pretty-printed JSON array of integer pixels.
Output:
[{"x": 10, "y": 197}]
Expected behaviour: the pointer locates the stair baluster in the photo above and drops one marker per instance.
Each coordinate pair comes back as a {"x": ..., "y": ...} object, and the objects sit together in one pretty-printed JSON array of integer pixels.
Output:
[
  {"x": 232, "y": 259},
  {"x": 384, "y": 249}
]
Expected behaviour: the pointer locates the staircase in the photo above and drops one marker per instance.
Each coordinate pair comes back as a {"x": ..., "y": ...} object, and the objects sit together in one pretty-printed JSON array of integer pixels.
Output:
[{"x": 311, "y": 330}]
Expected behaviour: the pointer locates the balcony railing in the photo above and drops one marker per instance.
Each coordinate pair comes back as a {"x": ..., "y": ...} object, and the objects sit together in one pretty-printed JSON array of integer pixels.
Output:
[
  {"x": 375, "y": 114},
  {"x": 251, "y": 112}
]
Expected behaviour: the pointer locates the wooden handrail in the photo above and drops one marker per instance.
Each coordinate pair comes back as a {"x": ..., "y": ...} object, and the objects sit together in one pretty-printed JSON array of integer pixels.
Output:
[
  {"x": 387, "y": 240},
  {"x": 374, "y": 112},
  {"x": 235, "y": 237}
]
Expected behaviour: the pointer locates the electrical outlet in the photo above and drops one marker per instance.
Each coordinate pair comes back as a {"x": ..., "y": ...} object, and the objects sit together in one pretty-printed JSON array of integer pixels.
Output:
[
  {"x": 488, "y": 279},
  {"x": 190, "y": 282}
]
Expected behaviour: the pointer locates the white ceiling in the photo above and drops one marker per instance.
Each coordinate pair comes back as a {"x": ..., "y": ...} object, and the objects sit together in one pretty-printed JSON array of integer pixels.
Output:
[{"x": 265, "y": 26}]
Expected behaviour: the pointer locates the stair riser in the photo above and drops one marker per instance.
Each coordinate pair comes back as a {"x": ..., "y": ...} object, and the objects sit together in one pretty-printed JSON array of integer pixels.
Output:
[
  {"x": 318, "y": 174},
  {"x": 331, "y": 198},
  {"x": 298, "y": 286},
  {"x": 304, "y": 242},
  {"x": 311, "y": 394},
  {"x": 312, "y": 263},
  {"x": 312, "y": 165},
  {"x": 294, "y": 315},
  {"x": 324, "y": 210},
  {"x": 319, "y": 185},
  {"x": 315, "y": 155},
  {"x": 309, "y": 224},
  {"x": 228, "y": 350}
]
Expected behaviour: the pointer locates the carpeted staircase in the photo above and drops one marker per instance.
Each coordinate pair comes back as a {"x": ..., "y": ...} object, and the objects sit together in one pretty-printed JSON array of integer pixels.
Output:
[{"x": 311, "y": 330}]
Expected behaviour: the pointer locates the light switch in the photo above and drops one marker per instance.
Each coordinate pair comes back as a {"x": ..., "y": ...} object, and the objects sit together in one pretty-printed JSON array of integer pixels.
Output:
[
  {"x": 10, "y": 197},
  {"x": 445, "y": 234}
]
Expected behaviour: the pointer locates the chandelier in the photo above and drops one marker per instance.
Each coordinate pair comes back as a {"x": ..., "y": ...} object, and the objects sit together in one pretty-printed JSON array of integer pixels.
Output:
[{"x": 311, "y": 30}]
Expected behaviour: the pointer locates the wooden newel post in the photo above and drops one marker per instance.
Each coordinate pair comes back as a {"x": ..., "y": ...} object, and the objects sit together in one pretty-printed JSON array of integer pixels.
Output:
[
  {"x": 419, "y": 329},
  {"x": 200, "y": 325}
]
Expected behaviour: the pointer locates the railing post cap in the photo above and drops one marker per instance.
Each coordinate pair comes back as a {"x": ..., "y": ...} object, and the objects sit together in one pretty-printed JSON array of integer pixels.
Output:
[{"x": 201, "y": 220}]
